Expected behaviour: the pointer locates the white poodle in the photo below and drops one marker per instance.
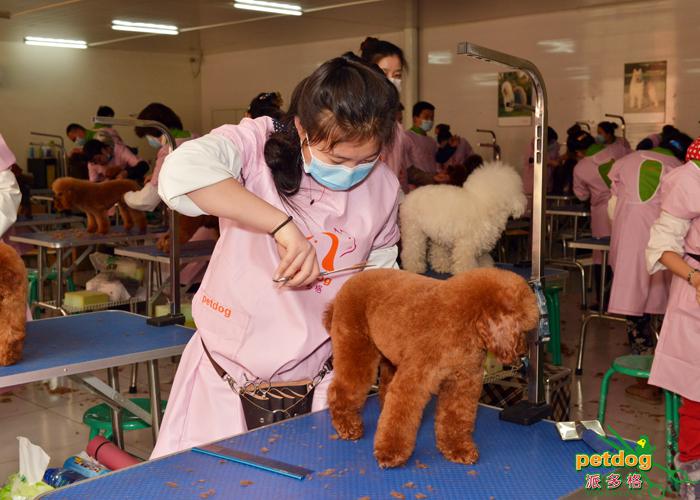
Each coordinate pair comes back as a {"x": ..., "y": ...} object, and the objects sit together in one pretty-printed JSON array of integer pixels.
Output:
[{"x": 458, "y": 227}]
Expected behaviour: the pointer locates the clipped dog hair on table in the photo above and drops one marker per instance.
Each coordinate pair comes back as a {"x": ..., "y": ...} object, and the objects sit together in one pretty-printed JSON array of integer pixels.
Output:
[
  {"x": 95, "y": 199},
  {"x": 13, "y": 305},
  {"x": 454, "y": 228},
  {"x": 428, "y": 337}
]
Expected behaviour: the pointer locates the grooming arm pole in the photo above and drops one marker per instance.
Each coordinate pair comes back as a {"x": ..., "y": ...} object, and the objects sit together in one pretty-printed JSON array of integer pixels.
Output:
[
  {"x": 63, "y": 164},
  {"x": 175, "y": 316},
  {"x": 535, "y": 408},
  {"x": 494, "y": 144}
]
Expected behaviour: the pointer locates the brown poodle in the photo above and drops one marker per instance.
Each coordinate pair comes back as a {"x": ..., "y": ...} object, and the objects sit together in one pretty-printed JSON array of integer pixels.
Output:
[
  {"x": 13, "y": 305},
  {"x": 428, "y": 337},
  {"x": 95, "y": 199},
  {"x": 187, "y": 226}
]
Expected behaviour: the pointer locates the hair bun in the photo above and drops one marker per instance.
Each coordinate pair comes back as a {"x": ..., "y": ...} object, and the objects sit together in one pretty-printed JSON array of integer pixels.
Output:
[{"x": 368, "y": 43}]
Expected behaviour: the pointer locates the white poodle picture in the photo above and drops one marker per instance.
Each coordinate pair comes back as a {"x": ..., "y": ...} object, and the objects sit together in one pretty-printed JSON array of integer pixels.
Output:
[
  {"x": 636, "y": 94},
  {"x": 508, "y": 96},
  {"x": 645, "y": 91},
  {"x": 454, "y": 227}
]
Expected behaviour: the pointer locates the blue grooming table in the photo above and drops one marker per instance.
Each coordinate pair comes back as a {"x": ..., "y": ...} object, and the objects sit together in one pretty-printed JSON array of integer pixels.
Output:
[
  {"x": 525, "y": 271},
  {"x": 47, "y": 220},
  {"x": 76, "y": 345},
  {"x": 64, "y": 239},
  {"x": 515, "y": 462}
]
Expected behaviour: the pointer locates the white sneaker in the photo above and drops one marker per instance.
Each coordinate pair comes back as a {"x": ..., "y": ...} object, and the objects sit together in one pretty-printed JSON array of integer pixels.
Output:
[{"x": 145, "y": 200}]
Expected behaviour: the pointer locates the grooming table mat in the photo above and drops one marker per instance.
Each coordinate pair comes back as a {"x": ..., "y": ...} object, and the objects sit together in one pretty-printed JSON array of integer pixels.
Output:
[
  {"x": 515, "y": 462},
  {"x": 68, "y": 345},
  {"x": 72, "y": 238}
]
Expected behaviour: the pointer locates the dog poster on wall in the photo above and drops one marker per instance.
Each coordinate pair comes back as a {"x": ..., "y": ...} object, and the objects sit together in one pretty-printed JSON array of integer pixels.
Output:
[
  {"x": 645, "y": 92},
  {"x": 515, "y": 104}
]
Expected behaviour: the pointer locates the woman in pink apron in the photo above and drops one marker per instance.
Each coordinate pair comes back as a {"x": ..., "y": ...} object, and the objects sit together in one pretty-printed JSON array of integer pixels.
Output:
[
  {"x": 286, "y": 192},
  {"x": 606, "y": 137},
  {"x": 553, "y": 161},
  {"x": 675, "y": 245}
]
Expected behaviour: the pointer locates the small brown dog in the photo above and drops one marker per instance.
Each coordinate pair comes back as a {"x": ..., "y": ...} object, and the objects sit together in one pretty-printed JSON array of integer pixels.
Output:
[
  {"x": 95, "y": 199},
  {"x": 187, "y": 226},
  {"x": 13, "y": 305},
  {"x": 429, "y": 337}
]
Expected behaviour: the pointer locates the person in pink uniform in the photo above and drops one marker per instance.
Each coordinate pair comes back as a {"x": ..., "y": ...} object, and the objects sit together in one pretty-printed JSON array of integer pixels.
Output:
[
  {"x": 107, "y": 160},
  {"x": 606, "y": 137},
  {"x": 674, "y": 244},
  {"x": 390, "y": 59},
  {"x": 294, "y": 198},
  {"x": 422, "y": 148},
  {"x": 553, "y": 161}
]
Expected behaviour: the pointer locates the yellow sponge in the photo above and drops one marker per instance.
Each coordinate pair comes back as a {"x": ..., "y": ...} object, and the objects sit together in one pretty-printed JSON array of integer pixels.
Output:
[{"x": 85, "y": 298}]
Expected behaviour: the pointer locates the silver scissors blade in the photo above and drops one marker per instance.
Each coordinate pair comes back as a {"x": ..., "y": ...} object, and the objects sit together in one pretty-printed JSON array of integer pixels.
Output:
[{"x": 355, "y": 267}]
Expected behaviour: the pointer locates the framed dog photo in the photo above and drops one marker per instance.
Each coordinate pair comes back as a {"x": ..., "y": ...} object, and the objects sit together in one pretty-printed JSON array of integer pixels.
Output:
[
  {"x": 515, "y": 104},
  {"x": 645, "y": 92}
]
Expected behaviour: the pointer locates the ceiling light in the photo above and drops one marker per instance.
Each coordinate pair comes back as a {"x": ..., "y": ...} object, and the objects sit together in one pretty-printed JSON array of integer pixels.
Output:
[
  {"x": 273, "y": 7},
  {"x": 55, "y": 42},
  {"x": 158, "y": 29}
]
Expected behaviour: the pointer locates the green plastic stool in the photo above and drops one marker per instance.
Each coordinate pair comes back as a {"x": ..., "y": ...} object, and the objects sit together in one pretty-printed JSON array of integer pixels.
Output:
[
  {"x": 640, "y": 367},
  {"x": 99, "y": 418},
  {"x": 33, "y": 288},
  {"x": 553, "y": 310},
  {"x": 70, "y": 284}
]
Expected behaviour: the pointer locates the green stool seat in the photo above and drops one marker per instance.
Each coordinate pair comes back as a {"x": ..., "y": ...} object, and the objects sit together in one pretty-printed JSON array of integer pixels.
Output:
[
  {"x": 99, "y": 418},
  {"x": 551, "y": 293},
  {"x": 640, "y": 367}
]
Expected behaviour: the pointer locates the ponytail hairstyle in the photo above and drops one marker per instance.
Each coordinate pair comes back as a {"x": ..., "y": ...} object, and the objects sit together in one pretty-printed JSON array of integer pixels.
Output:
[
  {"x": 675, "y": 141},
  {"x": 608, "y": 127},
  {"x": 342, "y": 101},
  {"x": 373, "y": 50}
]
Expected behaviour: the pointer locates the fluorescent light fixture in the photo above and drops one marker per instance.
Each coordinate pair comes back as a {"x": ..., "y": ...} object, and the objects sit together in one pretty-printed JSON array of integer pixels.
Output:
[
  {"x": 563, "y": 46},
  {"x": 55, "y": 42},
  {"x": 439, "y": 57},
  {"x": 273, "y": 7},
  {"x": 158, "y": 29}
]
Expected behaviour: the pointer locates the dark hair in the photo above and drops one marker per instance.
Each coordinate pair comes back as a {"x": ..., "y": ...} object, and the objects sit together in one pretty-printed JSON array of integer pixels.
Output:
[
  {"x": 581, "y": 142},
  {"x": 92, "y": 148},
  {"x": 472, "y": 163},
  {"x": 552, "y": 135},
  {"x": 608, "y": 127},
  {"x": 73, "y": 126},
  {"x": 675, "y": 141},
  {"x": 421, "y": 106},
  {"x": 160, "y": 113},
  {"x": 105, "y": 111},
  {"x": 574, "y": 130},
  {"x": 645, "y": 145},
  {"x": 372, "y": 50},
  {"x": 442, "y": 132},
  {"x": 341, "y": 101},
  {"x": 266, "y": 104}
]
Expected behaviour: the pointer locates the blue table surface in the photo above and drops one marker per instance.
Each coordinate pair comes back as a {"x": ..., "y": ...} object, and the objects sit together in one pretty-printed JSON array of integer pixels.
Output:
[
  {"x": 79, "y": 236},
  {"x": 515, "y": 462},
  {"x": 73, "y": 340},
  {"x": 189, "y": 249},
  {"x": 37, "y": 218}
]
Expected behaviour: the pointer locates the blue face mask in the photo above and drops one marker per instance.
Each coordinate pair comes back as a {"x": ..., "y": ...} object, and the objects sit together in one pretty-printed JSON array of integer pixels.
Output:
[
  {"x": 80, "y": 141},
  {"x": 153, "y": 142},
  {"x": 600, "y": 139},
  {"x": 336, "y": 177}
]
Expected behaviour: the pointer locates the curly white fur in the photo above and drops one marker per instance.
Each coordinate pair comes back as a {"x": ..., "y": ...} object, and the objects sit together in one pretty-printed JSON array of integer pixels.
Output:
[{"x": 457, "y": 227}]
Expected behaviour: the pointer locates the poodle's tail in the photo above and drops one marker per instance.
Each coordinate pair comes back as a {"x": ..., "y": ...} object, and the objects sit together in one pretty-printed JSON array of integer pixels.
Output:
[{"x": 498, "y": 182}]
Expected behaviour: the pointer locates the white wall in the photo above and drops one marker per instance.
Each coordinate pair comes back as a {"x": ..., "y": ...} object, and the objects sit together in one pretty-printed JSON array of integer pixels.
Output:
[
  {"x": 44, "y": 89},
  {"x": 583, "y": 84}
]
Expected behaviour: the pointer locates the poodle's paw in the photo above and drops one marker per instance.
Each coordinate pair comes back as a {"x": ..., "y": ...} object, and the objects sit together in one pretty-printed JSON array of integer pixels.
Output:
[
  {"x": 91, "y": 229},
  {"x": 392, "y": 454},
  {"x": 349, "y": 427},
  {"x": 128, "y": 226},
  {"x": 462, "y": 453}
]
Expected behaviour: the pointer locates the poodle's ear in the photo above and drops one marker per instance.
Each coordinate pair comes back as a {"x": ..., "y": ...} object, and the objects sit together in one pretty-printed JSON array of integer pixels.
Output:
[{"x": 502, "y": 334}]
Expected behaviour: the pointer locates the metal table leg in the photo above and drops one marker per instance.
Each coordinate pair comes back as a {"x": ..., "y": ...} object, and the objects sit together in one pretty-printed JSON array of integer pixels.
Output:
[
  {"x": 42, "y": 258},
  {"x": 154, "y": 392},
  {"x": 59, "y": 278},
  {"x": 117, "y": 432},
  {"x": 149, "y": 288},
  {"x": 134, "y": 378}
]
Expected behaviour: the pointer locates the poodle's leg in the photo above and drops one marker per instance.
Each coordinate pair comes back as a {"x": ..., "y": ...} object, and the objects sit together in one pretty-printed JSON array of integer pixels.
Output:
[
  {"x": 463, "y": 256},
  {"x": 386, "y": 374},
  {"x": 91, "y": 224},
  {"x": 401, "y": 415},
  {"x": 125, "y": 212},
  {"x": 139, "y": 219},
  {"x": 455, "y": 415},
  {"x": 102, "y": 221},
  {"x": 440, "y": 257},
  {"x": 414, "y": 243},
  {"x": 355, "y": 364},
  {"x": 485, "y": 260}
]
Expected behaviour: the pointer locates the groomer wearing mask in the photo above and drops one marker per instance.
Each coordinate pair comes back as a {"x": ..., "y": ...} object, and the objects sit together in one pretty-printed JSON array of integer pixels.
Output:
[
  {"x": 422, "y": 148},
  {"x": 107, "y": 160}
]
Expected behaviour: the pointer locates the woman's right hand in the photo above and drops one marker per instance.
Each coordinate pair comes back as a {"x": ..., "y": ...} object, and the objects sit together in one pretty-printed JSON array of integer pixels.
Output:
[{"x": 297, "y": 257}]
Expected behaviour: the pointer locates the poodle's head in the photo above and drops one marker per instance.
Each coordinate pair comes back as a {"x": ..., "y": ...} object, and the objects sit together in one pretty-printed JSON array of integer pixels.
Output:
[
  {"x": 500, "y": 187},
  {"x": 64, "y": 193},
  {"x": 503, "y": 308},
  {"x": 637, "y": 74}
]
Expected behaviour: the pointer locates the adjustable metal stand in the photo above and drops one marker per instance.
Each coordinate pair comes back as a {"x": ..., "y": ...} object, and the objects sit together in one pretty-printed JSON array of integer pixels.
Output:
[
  {"x": 536, "y": 407},
  {"x": 63, "y": 159},
  {"x": 493, "y": 145},
  {"x": 623, "y": 125},
  {"x": 175, "y": 317}
]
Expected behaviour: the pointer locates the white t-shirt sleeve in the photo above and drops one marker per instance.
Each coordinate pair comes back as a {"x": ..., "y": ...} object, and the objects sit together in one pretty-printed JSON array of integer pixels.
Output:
[
  {"x": 667, "y": 235},
  {"x": 10, "y": 196},
  {"x": 197, "y": 164},
  {"x": 384, "y": 258}
]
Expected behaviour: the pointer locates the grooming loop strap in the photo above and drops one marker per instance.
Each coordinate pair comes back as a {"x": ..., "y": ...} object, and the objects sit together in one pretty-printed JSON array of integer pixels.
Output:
[{"x": 543, "y": 328}]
